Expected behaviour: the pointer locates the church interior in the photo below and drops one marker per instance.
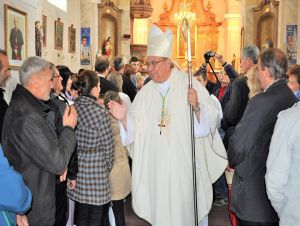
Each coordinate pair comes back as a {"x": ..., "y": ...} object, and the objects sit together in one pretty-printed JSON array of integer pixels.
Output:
[{"x": 221, "y": 26}]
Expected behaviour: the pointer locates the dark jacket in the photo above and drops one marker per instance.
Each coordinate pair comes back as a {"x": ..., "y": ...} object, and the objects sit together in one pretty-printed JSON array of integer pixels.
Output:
[
  {"x": 106, "y": 85},
  {"x": 128, "y": 87},
  {"x": 248, "y": 151},
  {"x": 3, "y": 108},
  {"x": 31, "y": 145},
  {"x": 58, "y": 105},
  {"x": 235, "y": 107},
  {"x": 226, "y": 95},
  {"x": 232, "y": 74}
]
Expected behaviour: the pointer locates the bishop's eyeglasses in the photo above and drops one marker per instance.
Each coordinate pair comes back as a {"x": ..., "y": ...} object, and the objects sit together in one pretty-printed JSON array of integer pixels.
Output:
[{"x": 154, "y": 63}]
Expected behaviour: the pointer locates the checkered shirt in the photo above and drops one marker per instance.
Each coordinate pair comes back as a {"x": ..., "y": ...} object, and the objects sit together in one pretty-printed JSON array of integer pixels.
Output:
[{"x": 95, "y": 147}]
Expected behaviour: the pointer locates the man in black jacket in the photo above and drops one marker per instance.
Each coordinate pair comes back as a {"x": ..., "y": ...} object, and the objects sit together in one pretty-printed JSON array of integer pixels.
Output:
[
  {"x": 249, "y": 146},
  {"x": 30, "y": 141},
  {"x": 239, "y": 96},
  {"x": 102, "y": 70},
  {"x": 4, "y": 76},
  {"x": 58, "y": 104}
]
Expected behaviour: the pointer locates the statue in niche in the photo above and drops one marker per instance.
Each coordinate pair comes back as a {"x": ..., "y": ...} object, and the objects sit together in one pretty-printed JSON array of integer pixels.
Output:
[
  {"x": 106, "y": 48},
  {"x": 268, "y": 43}
]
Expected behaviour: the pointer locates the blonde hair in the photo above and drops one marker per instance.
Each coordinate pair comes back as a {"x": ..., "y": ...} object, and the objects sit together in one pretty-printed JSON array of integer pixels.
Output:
[{"x": 253, "y": 82}]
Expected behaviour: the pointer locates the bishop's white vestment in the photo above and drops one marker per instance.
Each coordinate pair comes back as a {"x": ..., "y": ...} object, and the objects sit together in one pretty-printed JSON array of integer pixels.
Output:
[{"x": 162, "y": 184}]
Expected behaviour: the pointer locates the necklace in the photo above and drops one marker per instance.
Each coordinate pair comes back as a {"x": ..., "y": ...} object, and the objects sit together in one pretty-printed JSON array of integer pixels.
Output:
[{"x": 162, "y": 123}]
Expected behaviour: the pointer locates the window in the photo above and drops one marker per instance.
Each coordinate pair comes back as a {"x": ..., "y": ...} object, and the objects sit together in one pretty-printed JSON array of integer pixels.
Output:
[{"x": 61, "y": 4}]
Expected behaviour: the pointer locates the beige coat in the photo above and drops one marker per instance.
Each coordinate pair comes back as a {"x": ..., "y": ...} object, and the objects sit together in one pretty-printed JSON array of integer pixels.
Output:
[{"x": 120, "y": 176}]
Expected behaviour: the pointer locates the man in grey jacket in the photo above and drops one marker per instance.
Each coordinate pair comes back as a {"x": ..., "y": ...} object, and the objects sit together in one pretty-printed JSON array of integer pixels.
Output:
[
  {"x": 283, "y": 172},
  {"x": 30, "y": 142}
]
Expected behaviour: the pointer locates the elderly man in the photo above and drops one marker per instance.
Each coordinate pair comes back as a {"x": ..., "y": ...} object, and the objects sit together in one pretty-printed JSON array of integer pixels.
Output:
[
  {"x": 30, "y": 141},
  {"x": 249, "y": 146},
  {"x": 282, "y": 177},
  {"x": 4, "y": 76},
  {"x": 157, "y": 128}
]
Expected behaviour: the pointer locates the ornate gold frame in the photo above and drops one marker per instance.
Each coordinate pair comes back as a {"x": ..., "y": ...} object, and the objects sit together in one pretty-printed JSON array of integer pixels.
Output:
[
  {"x": 9, "y": 14},
  {"x": 58, "y": 35},
  {"x": 72, "y": 39}
]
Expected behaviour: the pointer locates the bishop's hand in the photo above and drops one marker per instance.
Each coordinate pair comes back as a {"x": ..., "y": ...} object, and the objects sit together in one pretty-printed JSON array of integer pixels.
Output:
[{"x": 193, "y": 99}]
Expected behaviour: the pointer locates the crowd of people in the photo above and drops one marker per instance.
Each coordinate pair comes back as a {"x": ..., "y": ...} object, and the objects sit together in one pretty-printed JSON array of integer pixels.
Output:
[{"x": 75, "y": 145}]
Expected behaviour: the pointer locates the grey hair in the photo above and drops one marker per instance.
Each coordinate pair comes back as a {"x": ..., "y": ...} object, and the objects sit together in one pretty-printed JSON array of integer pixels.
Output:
[
  {"x": 3, "y": 52},
  {"x": 116, "y": 79},
  {"x": 251, "y": 52},
  {"x": 31, "y": 66},
  {"x": 275, "y": 60},
  {"x": 118, "y": 63}
]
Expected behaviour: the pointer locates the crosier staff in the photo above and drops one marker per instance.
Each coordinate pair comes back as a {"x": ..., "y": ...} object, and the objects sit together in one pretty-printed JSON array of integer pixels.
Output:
[{"x": 186, "y": 34}]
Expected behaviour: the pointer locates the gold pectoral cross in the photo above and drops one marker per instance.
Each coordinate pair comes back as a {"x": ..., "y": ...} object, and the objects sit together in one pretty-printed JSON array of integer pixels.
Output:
[{"x": 161, "y": 125}]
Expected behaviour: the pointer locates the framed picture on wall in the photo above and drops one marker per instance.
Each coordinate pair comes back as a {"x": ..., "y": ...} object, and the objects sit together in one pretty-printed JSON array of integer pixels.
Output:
[
  {"x": 72, "y": 39},
  {"x": 58, "y": 34},
  {"x": 15, "y": 31},
  {"x": 44, "y": 27}
]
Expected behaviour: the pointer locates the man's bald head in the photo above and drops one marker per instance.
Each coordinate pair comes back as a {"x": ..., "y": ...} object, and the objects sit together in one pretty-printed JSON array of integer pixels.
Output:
[{"x": 102, "y": 64}]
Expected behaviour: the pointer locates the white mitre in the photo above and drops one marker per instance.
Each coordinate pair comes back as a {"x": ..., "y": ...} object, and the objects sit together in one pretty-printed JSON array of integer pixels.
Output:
[{"x": 159, "y": 42}]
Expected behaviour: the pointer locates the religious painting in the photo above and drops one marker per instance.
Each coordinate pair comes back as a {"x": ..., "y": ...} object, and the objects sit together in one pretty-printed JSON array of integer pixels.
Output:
[
  {"x": 58, "y": 35},
  {"x": 15, "y": 30},
  {"x": 44, "y": 27},
  {"x": 72, "y": 39},
  {"x": 182, "y": 43},
  {"x": 85, "y": 54},
  {"x": 291, "y": 44}
]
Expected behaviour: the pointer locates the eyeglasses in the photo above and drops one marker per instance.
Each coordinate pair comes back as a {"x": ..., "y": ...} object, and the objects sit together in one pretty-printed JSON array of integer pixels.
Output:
[
  {"x": 154, "y": 63},
  {"x": 55, "y": 76}
]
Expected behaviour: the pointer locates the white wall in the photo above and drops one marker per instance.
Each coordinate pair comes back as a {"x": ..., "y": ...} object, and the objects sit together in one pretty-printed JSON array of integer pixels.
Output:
[{"x": 35, "y": 9}]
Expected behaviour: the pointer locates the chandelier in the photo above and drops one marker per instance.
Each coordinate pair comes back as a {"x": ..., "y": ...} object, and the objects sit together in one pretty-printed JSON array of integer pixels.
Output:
[{"x": 185, "y": 11}]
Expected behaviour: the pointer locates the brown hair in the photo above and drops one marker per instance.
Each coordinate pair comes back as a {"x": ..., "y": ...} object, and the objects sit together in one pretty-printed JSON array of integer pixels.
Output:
[
  {"x": 86, "y": 81},
  {"x": 295, "y": 70}
]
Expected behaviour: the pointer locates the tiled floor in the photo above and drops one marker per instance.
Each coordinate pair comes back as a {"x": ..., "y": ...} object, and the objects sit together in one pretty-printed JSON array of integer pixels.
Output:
[{"x": 217, "y": 217}]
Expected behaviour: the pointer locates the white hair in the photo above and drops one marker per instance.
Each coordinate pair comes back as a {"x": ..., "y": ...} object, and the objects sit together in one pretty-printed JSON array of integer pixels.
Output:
[{"x": 30, "y": 67}]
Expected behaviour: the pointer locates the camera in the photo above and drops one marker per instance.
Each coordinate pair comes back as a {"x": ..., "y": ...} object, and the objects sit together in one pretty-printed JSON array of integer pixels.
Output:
[{"x": 209, "y": 54}]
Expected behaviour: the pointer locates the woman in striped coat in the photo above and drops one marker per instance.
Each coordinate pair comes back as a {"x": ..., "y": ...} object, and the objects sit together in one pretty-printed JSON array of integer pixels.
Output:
[{"x": 95, "y": 147}]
